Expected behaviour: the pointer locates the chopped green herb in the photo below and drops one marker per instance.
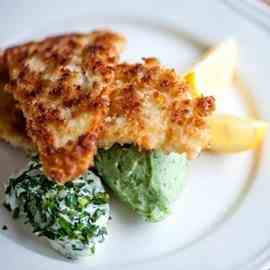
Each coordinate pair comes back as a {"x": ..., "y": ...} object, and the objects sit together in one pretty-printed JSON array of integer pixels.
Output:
[
  {"x": 16, "y": 213},
  {"x": 93, "y": 249},
  {"x": 72, "y": 216},
  {"x": 7, "y": 206},
  {"x": 4, "y": 228},
  {"x": 101, "y": 198},
  {"x": 83, "y": 201},
  {"x": 71, "y": 200}
]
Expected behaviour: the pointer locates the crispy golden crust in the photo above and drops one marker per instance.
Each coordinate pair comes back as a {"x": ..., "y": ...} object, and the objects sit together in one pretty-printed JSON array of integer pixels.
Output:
[
  {"x": 152, "y": 107},
  {"x": 62, "y": 85},
  {"x": 12, "y": 122},
  {"x": 76, "y": 97}
]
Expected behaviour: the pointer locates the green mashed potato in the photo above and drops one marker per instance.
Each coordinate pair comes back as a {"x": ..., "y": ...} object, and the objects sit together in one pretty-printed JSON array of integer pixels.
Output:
[
  {"x": 146, "y": 181},
  {"x": 73, "y": 217}
]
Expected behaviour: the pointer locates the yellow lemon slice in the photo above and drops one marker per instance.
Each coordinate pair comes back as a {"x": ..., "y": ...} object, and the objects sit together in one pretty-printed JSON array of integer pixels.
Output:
[
  {"x": 215, "y": 70},
  {"x": 230, "y": 134}
]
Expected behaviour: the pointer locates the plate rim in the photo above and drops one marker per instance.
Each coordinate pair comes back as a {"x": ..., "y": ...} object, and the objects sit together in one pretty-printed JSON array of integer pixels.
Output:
[{"x": 266, "y": 255}]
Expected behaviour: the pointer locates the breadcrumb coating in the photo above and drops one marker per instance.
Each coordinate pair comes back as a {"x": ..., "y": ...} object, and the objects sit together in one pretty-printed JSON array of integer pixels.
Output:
[
  {"x": 62, "y": 85},
  {"x": 12, "y": 121},
  {"x": 152, "y": 107},
  {"x": 75, "y": 97}
]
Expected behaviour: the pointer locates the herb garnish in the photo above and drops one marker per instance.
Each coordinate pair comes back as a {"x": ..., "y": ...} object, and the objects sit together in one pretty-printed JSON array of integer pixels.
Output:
[
  {"x": 4, "y": 228},
  {"x": 76, "y": 212}
]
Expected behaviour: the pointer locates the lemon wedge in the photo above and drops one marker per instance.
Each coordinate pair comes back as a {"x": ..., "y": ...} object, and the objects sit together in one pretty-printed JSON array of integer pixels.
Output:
[
  {"x": 215, "y": 70},
  {"x": 230, "y": 134}
]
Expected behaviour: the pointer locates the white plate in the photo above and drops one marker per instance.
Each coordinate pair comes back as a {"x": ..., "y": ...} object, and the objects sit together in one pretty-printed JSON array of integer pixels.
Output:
[{"x": 221, "y": 220}]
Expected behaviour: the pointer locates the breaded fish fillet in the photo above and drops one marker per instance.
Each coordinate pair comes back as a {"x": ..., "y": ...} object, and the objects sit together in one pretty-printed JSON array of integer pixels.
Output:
[
  {"x": 72, "y": 105},
  {"x": 62, "y": 86},
  {"x": 152, "y": 107}
]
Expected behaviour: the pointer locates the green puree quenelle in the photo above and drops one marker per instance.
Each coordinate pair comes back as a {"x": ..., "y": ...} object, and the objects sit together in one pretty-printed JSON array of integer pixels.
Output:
[{"x": 147, "y": 181}]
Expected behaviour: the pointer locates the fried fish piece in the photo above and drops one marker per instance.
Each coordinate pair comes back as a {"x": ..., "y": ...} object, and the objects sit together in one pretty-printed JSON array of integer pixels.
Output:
[
  {"x": 152, "y": 107},
  {"x": 144, "y": 104},
  {"x": 62, "y": 86}
]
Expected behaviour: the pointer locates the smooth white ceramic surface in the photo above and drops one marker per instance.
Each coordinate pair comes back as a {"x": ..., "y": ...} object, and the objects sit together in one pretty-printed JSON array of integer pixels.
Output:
[{"x": 221, "y": 221}]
